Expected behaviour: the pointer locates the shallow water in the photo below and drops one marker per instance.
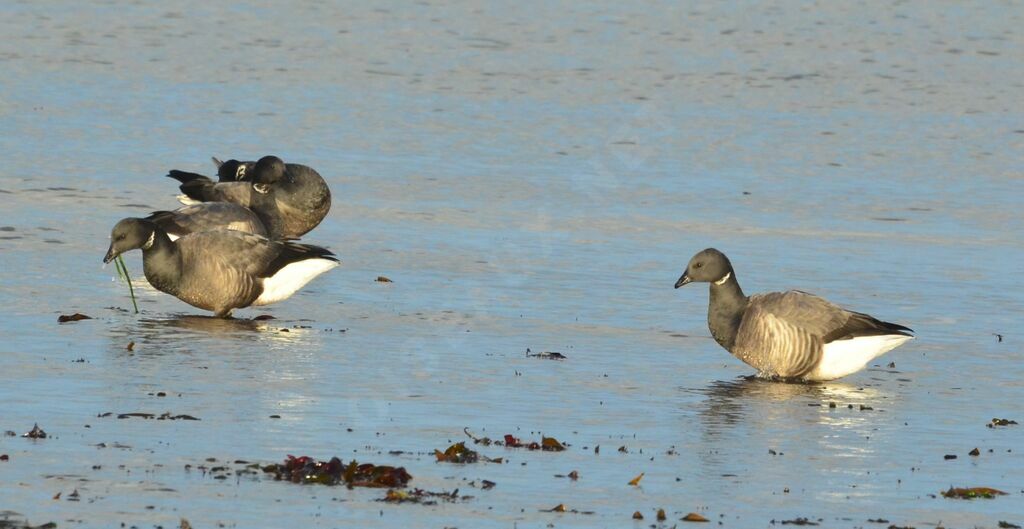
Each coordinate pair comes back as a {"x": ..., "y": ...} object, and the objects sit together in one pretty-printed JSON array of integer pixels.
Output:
[{"x": 529, "y": 177}]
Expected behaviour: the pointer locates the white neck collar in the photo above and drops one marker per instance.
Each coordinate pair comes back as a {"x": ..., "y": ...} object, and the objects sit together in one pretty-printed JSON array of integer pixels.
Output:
[
  {"x": 149, "y": 243},
  {"x": 722, "y": 281}
]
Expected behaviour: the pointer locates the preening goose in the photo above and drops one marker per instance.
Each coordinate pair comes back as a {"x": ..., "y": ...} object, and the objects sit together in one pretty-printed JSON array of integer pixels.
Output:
[
  {"x": 292, "y": 197},
  {"x": 791, "y": 335}
]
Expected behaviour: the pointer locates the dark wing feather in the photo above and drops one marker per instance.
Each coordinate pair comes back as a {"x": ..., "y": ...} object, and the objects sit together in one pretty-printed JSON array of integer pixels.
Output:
[
  {"x": 860, "y": 324},
  {"x": 207, "y": 216},
  {"x": 293, "y": 252}
]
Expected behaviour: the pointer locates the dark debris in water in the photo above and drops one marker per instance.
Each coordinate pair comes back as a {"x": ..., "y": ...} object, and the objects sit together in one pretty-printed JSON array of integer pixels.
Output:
[
  {"x": 422, "y": 497},
  {"x": 547, "y": 355},
  {"x": 799, "y": 521},
  {"x": 64, "y": 318},
  {"x": 561, "y": 507},
  {"x": 458, "y": 453},
  {"x": 35, "y": 433},
  {"x": 1008, "y": 525},
  {"x": 382, "y": 279},
  {"x": 971, "y": 493},
  {"x": 694, "y": 517},
  {"x": 166, "y": 416},
  {"x": 305, "y": 469},
  {"x": 1000, "y": 422},
  {"x": 548, "y": 444}
]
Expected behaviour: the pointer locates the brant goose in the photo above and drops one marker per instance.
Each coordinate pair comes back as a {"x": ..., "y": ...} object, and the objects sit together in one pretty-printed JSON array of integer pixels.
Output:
[
  {"x": 220, "y": 270},
  {"x": 295, "y": 194},
  {"x": 789, "y": 335}
]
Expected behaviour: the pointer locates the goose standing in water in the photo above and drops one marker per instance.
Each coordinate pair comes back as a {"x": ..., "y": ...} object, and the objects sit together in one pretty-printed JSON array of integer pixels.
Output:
[
  {"x": 220, "y": 270},
  {"x": 789, "y": 335}
]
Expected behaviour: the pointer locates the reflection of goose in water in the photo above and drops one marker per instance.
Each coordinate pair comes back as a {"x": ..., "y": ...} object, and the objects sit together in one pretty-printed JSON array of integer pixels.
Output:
[
  {"x": 753, "y": 399},
  {"x": 736, "y": 413},
  {"x": 178, "y": 333}
]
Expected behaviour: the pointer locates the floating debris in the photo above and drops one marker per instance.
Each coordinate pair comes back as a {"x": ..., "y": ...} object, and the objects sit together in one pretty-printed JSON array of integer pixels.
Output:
[
  {"x": 636, "y": 481},
  {"x": 877, "y": 520},
  {"x": 547, "y": 355},
  {"x": 382, "y": 279},
  {"x": 1008, "y": 525},
  {"x": 1000, "y": 422},
  {"x": 799, "y": 521},
  {"x": 638, "y": 516},
  {"x": 166, "y": 416},
  {"x": 694, "y": 517},
  {"x": 458, "y": 453},
  {"x": 947, "y": 457},
  {"x": 548, "y": 444},
  {"x": 661, "y": 515},
  {"x": 574, "y": 475},
  {"x": 64, "y": 318},
  {"x": 263, "y": 317},
  {"x": 305, "y": 469},
  {"x": 974, "y": 452},
  {"x": 972, "y": 493},
  {"x": 422, "y": 497},
  {"x": 35, "y": 433}
]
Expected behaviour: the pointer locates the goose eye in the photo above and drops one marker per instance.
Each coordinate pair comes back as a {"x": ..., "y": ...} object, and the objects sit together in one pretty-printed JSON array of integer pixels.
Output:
[{"x": 698, "y": 265}]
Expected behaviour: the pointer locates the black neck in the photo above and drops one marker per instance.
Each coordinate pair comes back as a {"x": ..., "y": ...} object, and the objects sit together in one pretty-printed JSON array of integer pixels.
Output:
[
  {"x": 726, "y": 305},
  {"x": 161, "y": 262}
]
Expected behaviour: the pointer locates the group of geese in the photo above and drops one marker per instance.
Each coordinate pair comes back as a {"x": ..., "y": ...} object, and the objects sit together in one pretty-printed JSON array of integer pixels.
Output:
[{"x": 233, "y": 245}]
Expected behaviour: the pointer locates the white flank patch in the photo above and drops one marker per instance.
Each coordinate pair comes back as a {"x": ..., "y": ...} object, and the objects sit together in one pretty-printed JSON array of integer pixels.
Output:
[
  {"x": 291, "y": 278},
  {"x": 842, "y": 357},
  {"x": 187, "y": 201},
  {"x": 172, "y": 237}
]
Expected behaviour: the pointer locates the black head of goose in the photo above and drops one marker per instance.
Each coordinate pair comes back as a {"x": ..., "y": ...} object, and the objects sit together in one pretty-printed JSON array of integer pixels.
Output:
[
  {"x": 220, "y": 270},
  {"x": 301, "y": 196},
  {"x": 232, "y": 170},
  {"x": 789, "y": 335}
]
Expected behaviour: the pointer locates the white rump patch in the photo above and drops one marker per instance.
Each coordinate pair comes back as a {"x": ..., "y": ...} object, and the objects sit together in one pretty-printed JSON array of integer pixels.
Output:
[
  {"x": 843, "y": 357},
  {"x": 291, "y": 278},
  {"x": 187, "y": 200}
]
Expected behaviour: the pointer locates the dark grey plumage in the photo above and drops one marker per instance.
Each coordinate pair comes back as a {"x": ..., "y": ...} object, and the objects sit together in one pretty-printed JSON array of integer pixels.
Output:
[
  {"x": 220, "y": 270},
  {"x": 206, "y": 216},
  {"x": 788, "y": 334},
  {"x": 291, "y": 199}
]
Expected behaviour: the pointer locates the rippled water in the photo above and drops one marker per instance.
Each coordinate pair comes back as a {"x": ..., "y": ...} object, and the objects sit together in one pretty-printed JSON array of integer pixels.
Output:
[{"x": 529, "y": 176}]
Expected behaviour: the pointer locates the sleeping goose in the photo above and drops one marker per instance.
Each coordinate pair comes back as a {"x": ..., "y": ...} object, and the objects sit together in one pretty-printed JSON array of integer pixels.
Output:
[
  {"x": 790, "y": 335},
  {"x": 220, "y": 270},
  {"x": 292, "y": 195}
]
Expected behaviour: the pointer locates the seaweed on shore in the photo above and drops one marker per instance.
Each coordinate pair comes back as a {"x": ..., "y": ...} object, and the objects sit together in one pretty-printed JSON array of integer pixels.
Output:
[{"x": 305, "y": 469}]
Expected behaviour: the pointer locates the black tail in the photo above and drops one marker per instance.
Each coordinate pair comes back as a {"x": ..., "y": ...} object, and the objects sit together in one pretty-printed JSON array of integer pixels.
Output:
[
  {"x": 294, "y": 252},
  {"x": 195, "y": 186}
]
